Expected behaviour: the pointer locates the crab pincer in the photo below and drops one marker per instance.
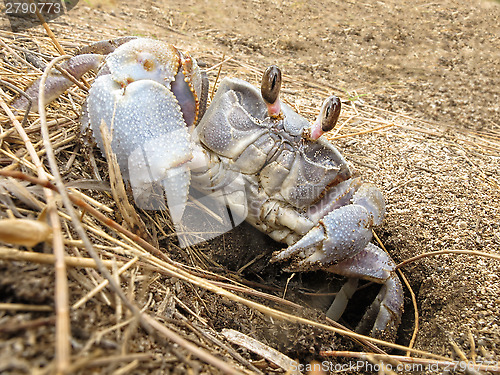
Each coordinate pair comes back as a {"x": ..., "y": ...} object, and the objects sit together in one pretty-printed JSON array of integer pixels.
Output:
[
  {"x": 149, "y": 134},
  {"x": 339, "y": 243}
]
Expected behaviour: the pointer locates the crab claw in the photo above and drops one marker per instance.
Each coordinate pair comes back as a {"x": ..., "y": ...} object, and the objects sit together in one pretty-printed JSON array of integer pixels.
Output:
[
  {"x": 339, "y": 243},
  {"x": 327, "y": 118},
  {"x": 270, "y": 89},
  {"x": 149, "y": 137},
  {"x": 340, "y": 234}
]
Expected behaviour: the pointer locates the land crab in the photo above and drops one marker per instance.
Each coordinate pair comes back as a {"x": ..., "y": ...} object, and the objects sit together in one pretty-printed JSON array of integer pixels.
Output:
[{"x": 249, "y": 152}]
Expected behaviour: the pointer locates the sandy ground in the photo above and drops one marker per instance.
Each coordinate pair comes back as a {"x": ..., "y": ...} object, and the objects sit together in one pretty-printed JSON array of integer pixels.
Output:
[{"x": 431, "y": 68}]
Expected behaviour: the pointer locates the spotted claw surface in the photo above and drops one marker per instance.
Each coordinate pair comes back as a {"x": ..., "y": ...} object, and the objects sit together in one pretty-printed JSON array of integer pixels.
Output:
[
  {"x": 149, "y": 137},
  {"x": 147, "y": 102}
]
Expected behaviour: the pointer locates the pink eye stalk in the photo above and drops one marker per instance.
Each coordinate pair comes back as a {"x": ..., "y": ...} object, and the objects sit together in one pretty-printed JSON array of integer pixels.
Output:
[{"x": 327, "y": 118}]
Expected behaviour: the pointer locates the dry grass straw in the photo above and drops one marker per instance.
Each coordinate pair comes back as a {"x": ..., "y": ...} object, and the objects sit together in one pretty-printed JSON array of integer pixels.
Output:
[{"x": 105, "y": 245}]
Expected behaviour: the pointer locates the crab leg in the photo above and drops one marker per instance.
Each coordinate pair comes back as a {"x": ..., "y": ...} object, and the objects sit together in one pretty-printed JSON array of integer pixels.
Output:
[
  {"x": 105, "y": 47},
  {"x": 373, "y": 264},
  {"x": 384, "y": 314},
  {"x": 342, "y": 298},
  {"x": 57, "y": 83}
]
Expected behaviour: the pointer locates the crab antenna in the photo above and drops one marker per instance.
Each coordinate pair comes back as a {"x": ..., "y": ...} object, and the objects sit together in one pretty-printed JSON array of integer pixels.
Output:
[
  {"x": 270, "y": 89},
  {"x": 327, "y": 118}
]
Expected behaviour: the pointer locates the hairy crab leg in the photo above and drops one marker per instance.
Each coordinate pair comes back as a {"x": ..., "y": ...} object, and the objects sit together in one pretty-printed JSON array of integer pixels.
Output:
[{"x": 105, "y": 47}]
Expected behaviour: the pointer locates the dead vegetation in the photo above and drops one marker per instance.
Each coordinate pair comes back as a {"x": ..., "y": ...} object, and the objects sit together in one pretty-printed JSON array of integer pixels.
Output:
[{"x": 96, "y": 296}]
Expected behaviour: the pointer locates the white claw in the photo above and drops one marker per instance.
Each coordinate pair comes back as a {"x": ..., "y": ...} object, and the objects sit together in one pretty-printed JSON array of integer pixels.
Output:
[{"x": 149, "y": 137}]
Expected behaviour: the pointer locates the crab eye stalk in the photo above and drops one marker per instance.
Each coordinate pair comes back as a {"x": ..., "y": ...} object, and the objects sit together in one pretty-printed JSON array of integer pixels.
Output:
[
  {"x": 327, "y": 118},
  {"x": 270, "y": 89},
  {"x": 330, "y": 112},
  {"x": 271, "y": 84}
]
